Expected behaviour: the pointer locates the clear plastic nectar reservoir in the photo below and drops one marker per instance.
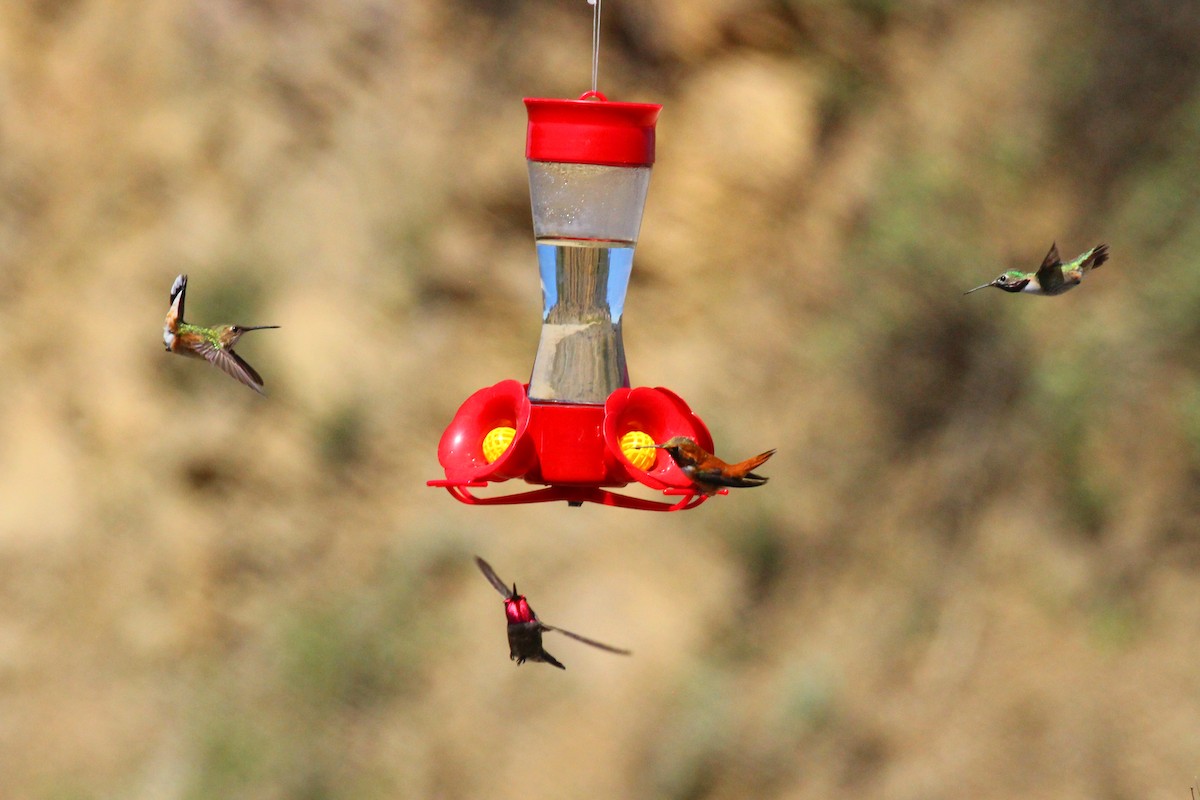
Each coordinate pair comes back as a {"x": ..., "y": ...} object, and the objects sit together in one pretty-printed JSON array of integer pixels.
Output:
[
  {"x": 586, "y": 220},
  {"x": 580, "y": 356}
]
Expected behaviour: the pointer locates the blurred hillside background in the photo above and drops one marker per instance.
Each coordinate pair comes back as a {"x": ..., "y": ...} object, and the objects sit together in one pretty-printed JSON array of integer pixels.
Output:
[{"x": 973, "y": 573}]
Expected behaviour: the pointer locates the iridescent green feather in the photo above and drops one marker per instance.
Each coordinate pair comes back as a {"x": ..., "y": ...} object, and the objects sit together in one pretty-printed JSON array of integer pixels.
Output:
[{"x": 209, "y": 334}]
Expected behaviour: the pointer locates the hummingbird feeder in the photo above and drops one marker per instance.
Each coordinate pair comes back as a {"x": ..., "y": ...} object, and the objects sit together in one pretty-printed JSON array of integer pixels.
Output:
[{"x": 577, "y": 428}]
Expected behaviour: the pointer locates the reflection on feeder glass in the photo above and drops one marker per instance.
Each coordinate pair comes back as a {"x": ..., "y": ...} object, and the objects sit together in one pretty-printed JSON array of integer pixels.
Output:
[{"x": 581, "y": 358}]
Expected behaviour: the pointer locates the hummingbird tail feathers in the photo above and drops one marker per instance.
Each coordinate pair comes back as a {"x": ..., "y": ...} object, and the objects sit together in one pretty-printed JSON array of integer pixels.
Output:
[
  {"x": 737, "y": 475},
  {"x": 1095, "y": 258},
  {"x": 753, "y": 463},
  {"x": 178, "y": 290}
]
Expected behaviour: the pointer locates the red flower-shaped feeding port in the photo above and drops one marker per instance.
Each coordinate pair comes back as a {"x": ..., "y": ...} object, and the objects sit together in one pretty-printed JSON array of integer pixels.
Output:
[{"x": 574, "y": 450}]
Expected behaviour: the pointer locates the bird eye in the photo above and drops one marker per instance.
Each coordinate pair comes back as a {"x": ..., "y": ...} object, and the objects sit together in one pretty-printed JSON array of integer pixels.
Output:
[{"x": 1002, "y": 279}]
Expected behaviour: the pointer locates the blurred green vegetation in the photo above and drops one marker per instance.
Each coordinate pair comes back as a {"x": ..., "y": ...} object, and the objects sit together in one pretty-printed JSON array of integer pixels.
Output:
[{"x": 332, "y": 664}]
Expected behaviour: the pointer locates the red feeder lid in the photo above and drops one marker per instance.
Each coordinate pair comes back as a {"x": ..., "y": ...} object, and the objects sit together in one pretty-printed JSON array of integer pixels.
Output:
[{"x": 591, "y": 130}]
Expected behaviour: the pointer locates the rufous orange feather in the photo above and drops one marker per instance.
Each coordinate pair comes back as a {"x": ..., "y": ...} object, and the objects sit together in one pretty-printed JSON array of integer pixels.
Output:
[{"x": 709, "y": 473}]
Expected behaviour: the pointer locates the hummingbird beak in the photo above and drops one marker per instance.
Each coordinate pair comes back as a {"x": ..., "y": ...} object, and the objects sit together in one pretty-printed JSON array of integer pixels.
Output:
[
  {"x": 977, "y": 288},
  {"x": 256, "y": 327},
  {"x": 514, "y": 594},
  {"x": 649, "y": 447}
]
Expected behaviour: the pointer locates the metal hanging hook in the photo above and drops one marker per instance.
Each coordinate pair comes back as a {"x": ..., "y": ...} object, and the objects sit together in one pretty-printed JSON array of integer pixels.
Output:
[{"x": 595, "y": 4}]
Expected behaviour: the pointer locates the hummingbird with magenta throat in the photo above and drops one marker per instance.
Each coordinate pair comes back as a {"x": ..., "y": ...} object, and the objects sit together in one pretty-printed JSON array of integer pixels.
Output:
[
  {"x": 214, "y": 345},
  {"x": 709, "y": 473},
  {"x": 1053, "y": 276},
  {"x": 525, "y": 629}
]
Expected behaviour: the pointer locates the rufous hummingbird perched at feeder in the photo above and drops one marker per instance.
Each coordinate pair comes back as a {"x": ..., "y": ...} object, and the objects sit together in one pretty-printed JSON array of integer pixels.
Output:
[{"x": 710, "y": 473}]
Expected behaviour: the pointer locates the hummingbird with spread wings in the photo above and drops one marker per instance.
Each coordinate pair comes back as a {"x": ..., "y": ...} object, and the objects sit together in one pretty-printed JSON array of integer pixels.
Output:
[
  {"x": 214, "y": 345},
  {"x": 1053, "y": 276},
  {"x": 709, "y": 473},
  {"x": 525, "y": 629}
]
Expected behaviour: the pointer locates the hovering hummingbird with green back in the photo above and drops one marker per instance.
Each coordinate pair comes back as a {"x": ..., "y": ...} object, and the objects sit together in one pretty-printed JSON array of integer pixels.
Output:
[
  {"x": 1053, "y": 276},
  {"x": 525, "y": 629},
  {"x": 215, "y": 345}
]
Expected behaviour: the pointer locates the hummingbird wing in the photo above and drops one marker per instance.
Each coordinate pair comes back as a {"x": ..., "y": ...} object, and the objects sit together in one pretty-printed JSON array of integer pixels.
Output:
[
  {"x": 1050, "y": 273},
  {"x": 231, "y": 364},
  {"x": 716, "y": 478},
  {"x": 492, "y": 577},
  {"x": 586, "y": 640}
]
